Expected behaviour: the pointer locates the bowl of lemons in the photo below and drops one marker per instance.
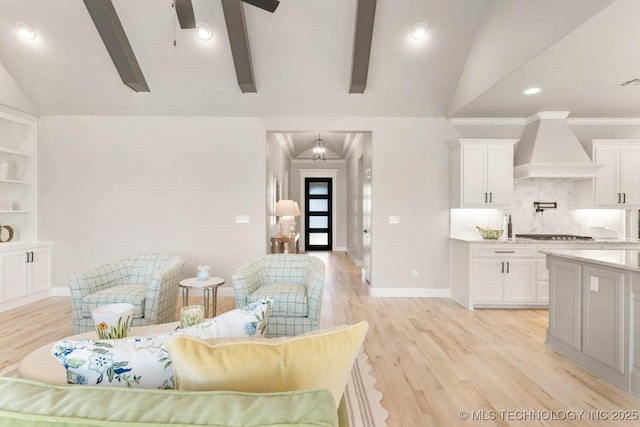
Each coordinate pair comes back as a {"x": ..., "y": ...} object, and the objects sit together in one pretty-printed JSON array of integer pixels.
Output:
[{"x": 489, "y": 233}]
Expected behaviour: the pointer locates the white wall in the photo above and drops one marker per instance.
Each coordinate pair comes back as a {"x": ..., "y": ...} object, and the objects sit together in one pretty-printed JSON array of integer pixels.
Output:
[
  {"x": 112, "y": 186},
  {"x": 117, "y": 185},
  {"x": 278, "y": 165}
]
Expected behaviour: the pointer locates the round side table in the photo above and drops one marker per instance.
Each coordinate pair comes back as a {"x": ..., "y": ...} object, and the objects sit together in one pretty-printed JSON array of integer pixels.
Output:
[{"x": 205, "y": 285}]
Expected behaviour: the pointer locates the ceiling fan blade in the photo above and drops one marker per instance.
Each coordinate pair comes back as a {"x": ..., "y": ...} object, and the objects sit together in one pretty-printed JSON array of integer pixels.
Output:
[
  {"x": 268, "y": 5},
  {"x": 186, "y": 17}
]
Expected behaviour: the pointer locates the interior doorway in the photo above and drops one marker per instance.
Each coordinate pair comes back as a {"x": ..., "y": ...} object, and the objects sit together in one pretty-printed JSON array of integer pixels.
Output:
[{"x": 318, "y": 214}]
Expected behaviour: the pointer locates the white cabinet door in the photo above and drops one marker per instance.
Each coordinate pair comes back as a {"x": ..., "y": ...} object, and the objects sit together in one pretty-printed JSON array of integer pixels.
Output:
[
  {"x": 474, "y": 175},
  {"x": 520, "y": 281},
  {"x": 630, "y": 174},
  {"x": 13, "y": 276},
  {"x": 488, "y": 280},
  {"x": 39, "y": 269},
  {"x": 500, "y": 175},
  {"x": 606, "y": 183}
]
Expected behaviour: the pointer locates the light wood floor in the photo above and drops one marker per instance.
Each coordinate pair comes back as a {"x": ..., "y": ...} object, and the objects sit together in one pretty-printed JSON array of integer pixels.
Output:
[{"x": 431, "y": 357}]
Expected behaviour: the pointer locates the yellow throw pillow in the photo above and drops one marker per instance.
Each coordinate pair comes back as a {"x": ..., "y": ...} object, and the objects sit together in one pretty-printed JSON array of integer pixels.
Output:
[{"x": 320, "y": 360}]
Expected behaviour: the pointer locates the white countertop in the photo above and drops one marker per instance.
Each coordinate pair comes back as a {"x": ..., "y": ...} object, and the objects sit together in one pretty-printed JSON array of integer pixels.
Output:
[
  {"x": 628, "y": 240},
  {"x": 627, "y": 259}
]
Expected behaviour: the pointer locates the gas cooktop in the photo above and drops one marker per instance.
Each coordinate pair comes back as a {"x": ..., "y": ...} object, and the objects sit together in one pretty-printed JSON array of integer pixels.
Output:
[{"x": 552, "y": 237}]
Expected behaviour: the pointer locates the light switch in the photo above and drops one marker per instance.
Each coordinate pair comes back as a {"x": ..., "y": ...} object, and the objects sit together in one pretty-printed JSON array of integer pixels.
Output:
[
  {"x": 593, "y": 283},
  {"x": 242, "y": 219},
  {"x": 394, "y": 220}
]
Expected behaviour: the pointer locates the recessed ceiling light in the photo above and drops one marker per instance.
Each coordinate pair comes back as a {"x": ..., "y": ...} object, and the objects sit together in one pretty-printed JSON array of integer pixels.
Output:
[
  {"x": 204, "y": 31},
  {"x": 419, "y": 30},
  {"x": 25, "y": 30},
  {"x": 532, "y": 90}
]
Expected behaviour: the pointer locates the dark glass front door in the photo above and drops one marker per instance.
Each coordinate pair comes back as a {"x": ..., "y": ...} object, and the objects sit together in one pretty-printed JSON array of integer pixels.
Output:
[{"x": 317, "y": 214}]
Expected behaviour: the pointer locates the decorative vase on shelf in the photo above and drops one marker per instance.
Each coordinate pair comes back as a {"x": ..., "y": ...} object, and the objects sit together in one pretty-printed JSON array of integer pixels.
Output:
[
  {"x": 4, "y": 170},
  {"x": 203, "y": 272}
]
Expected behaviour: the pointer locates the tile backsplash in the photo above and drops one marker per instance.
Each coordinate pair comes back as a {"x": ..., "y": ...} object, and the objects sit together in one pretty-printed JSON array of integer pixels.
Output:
[{"x": 563, "y": 220}]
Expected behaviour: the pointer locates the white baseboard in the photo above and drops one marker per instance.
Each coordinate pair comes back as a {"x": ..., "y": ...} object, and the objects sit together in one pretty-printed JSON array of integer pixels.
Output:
[
  {"x": 409, "y": 292},
  {"x": 60, "y": 291},
  {"x": 340, "y": 249},
  {"x": 357, "y": 262}
]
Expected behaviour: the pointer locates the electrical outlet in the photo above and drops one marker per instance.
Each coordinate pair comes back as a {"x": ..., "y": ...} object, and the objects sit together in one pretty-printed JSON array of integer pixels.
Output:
[
  {"x": 394, "y": 220},
  {"x": 242, "y": 219},
  {"x": 414, "y": 273},
  {"x": 593, "y": 284}
]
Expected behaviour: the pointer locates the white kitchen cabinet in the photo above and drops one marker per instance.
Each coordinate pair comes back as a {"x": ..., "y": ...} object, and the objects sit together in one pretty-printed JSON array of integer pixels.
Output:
[
  {"x": 504, "y": 276},
  {"x": 25, "y": 273},
  {"x": 482, "y": 173},
  {"x": 617, "y": 183}
]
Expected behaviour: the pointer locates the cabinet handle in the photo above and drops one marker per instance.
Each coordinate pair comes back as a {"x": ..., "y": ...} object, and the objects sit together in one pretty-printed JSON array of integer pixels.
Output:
[
  {"x": 27, "y": 257},
  {"x": 502, "y": 262},
  {"x": 619, "y": 199},
  {"x": 624, "y": 197},
  {"x": 490, "y": 197},
  {"x": 31, "y": 256},
  {"x": 485, "y": 197},
  {"x": 504, "y": 252},
  {"x": 507, "y": 266}
]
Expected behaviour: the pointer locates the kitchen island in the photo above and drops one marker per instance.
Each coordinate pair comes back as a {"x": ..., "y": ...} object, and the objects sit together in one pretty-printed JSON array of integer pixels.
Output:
[{"x": 594, "y": 311}]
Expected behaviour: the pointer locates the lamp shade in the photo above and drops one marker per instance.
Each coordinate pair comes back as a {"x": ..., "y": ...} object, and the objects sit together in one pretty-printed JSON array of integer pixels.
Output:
[{"x": 287, "y": 208}]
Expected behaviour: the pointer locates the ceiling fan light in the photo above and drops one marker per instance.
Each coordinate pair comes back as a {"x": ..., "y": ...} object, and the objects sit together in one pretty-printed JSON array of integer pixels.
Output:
[
  {"x": 419, "y": 30},
  {"x": 203, "y": 31},
  {"x": 25, "y": 30}
]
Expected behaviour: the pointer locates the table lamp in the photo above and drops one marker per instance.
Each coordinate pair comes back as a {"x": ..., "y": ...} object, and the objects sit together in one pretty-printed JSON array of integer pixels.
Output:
[{"x": 287, "y": 210}]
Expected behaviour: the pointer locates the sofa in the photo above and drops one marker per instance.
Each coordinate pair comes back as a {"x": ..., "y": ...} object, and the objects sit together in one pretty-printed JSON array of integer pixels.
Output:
[
  {"x": 25, "y": 403},
  {"x": 294, "y": 281},
  {"x": 149, "y": 282}
]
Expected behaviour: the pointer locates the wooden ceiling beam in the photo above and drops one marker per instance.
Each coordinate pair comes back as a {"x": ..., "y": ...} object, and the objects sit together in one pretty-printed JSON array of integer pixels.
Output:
[
  {"x": 239, "y": 41},
  {"x": 115, "y": 40},
  {"x": 184, "y": 12},
  {"x": 365, "y": 15}
]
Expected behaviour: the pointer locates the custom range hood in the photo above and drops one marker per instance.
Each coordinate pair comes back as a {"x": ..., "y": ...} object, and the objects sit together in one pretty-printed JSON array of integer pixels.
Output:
[{"x": 549, "y": 149}]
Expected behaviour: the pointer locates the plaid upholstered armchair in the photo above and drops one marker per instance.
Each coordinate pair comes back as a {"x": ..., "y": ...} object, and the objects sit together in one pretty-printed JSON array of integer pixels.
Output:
[
  {"x": 295, "y": 282},
  {"x": 149, "y": 282}
]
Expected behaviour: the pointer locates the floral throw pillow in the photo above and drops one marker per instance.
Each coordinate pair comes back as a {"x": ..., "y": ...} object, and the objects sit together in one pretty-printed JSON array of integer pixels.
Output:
[{"x": 145, "y": 362}]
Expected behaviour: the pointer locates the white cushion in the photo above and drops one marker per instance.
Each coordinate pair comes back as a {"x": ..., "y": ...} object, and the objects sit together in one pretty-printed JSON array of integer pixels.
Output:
[{"x": 145, "y": 362}]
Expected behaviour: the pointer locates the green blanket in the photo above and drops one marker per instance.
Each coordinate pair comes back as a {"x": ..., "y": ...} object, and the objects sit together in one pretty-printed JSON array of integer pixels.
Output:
[{"x": 28, "y": 403}]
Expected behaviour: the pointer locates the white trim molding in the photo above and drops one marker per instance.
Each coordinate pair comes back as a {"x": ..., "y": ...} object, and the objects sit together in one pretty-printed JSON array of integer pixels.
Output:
[
  {"x": 488, "y": 121},
  {"x": 320, "y": 173},
  {"x": 604, "y": 121},
  {"x": 409, "y": 293}
]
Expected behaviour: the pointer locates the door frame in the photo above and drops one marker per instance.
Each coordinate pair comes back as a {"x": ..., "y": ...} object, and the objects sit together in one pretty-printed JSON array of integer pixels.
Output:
[{"x": 319, "y": 173}]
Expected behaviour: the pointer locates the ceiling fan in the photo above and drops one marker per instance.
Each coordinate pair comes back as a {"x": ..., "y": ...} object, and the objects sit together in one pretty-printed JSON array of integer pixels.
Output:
[{"x": 187, "y": 19}]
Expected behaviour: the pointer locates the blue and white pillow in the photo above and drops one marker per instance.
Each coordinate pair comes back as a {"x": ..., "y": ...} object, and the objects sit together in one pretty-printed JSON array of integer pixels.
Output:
[{"x": 145, "y": 362}]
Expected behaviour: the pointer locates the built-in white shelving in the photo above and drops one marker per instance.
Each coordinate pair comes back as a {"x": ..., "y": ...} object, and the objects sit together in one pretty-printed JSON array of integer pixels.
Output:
[{"x": 16, "y": 152}]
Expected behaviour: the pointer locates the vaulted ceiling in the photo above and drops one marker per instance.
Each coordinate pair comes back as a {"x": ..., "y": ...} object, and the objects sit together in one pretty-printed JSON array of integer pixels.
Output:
[{"x": 477, "y": 59}]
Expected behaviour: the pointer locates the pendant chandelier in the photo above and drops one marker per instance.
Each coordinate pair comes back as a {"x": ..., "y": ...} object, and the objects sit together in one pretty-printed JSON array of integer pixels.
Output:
[{"x": 319, "y": 149}]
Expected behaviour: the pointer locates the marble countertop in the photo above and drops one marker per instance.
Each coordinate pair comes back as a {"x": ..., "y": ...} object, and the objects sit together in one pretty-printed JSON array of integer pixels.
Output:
[
  {"x": 627, "y": 259},
  {"x": 607, "y": 241}
]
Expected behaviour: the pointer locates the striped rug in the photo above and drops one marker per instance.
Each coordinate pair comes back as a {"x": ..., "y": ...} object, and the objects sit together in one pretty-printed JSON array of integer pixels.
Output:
[{"x": 362, "y": 399}]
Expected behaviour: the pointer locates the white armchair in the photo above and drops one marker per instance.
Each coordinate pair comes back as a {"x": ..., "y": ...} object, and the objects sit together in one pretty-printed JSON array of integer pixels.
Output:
[
  {"x": 149, "y": 282},
  {"x": 295, "y": 282}
]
